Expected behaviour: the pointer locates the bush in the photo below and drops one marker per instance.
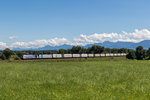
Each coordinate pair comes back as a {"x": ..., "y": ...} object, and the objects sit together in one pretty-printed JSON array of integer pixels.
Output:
[
  {"x": 7, "y": 52},
  {"x": 3, "y": 57},
  {"x": 14, "y": 57},
  {"x": 131, "y": 55},
  {"x": 140, "y": 53},
  {"x": 20, "y": 54},
  {"x": 148, "y": 53}
]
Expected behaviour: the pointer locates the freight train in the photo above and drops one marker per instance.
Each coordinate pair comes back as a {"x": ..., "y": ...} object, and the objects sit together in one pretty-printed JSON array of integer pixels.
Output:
[{"x": 61, "y": 56}]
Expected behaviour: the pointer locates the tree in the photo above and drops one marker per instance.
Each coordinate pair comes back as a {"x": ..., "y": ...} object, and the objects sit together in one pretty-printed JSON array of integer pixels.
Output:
[
  {"x": 144, "y": 53},
  {"x": 140, "y": 53},
  {"x": 131, "y": 55},
  {"x": 96, "y": 49},
  {"x": 7, "y": 52},
  {"x": 76, "y": 49},
  {"x": 14, "y": 57},
  {"x": 69, "y": 51},
  {"x": 3, "y": 57},
  {"x": 20, "y": 54},
  {"x": 123, "y": 50},
  {"x": 114, "y": 50},
  {"x": 62, "y": 51},
  {"x": 148, "y": 53},
  {"x": 83, "y": 50},
  {"x": 88, "y": 50},
  {"x": 107, "y": 50}
]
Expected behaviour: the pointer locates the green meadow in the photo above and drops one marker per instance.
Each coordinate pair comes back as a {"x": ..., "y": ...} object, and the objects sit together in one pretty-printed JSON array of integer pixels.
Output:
[{"x": 76, "y": 79}]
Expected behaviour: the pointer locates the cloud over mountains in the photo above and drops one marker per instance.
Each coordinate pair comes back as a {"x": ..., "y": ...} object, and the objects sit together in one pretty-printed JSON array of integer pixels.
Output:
[{"x": 136, "y": 36}]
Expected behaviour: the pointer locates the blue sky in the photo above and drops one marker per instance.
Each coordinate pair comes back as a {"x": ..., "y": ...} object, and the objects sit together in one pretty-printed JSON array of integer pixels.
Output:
[{"x": 31, "y": 20}]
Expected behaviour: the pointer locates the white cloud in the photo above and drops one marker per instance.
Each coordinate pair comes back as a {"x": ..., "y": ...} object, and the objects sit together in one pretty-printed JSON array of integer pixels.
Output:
[
  {"x": 3, "y": 45},
  {"x": 136, "y": 36},
  {"x": 12, "y": 37},
  {"x": 40, "y": 43},
  {"x": 97, "y": 38}
]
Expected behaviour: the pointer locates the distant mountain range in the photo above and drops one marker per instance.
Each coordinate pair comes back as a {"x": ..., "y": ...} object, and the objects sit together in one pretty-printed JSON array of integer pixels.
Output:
[
  {"x": 129, "y": 45},
  {"x": 47, "y": 48},
  {"x": 106, "y": 44}
]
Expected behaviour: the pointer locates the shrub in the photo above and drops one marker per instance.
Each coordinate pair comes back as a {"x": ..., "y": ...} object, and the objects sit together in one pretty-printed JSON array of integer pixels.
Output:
[
  {"x": 131, "y": 55},
  {"x": 148, "y": 53},
  {"x": 14, "y": 57},
  {"x": 140, "y": 53},
  {"x": 20, "y": 54},
  {"x": 3, "y": 57},
  {"x": 7, "y": 52}
]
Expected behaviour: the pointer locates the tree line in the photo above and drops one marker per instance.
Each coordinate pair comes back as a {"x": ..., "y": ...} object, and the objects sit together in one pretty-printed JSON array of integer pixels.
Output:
[
  {"x": 139, "y": 53},
  {"x": 16, "y": 55}
]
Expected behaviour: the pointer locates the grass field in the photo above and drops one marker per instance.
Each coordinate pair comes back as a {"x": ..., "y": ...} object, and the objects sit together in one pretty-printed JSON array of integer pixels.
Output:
[{"x": 91, "y": 79}]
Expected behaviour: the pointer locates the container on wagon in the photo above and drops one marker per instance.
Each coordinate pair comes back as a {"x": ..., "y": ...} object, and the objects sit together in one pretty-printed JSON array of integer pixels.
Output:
[
  {"x": 102, "y": 55},
  {"x": 97, "y": 55},
  {"x": 90, "y": 55},
  {"x": 115, "y": 54},
  {"x": 118, "y": 54},
  {"x": 57, "y": 55},
  {"x": 76, "y": 55},
  {"x": 45, "y": 56},
  {"x": 107, "y": 54},
  {"x": 84, "y": 55},
  {"x": 124, "y": 54},
  {"x": 121, "y": 54},
  {"x": 111, "y": 54},
  {"x": 67, "y": 55}
]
